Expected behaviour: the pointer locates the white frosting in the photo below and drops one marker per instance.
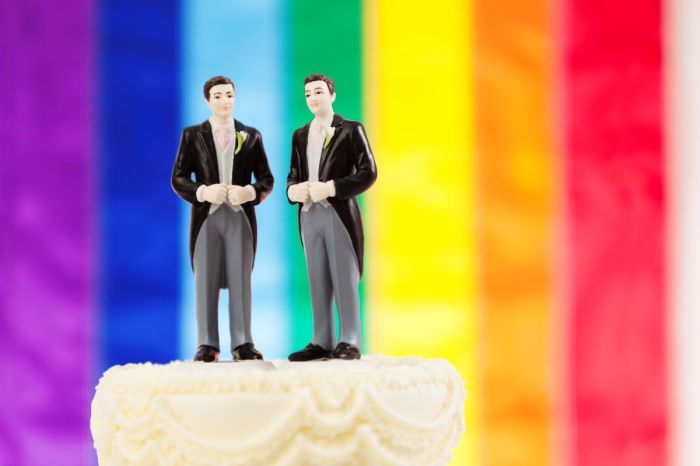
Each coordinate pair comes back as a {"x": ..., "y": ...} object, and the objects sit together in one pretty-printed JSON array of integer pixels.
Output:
[{"x": 375, "y": 411}]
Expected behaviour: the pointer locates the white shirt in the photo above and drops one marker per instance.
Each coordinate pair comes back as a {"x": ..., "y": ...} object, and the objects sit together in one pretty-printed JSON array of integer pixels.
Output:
[
  {"x": 224, "y": 159},
  {"x": 313, "y": 154}
]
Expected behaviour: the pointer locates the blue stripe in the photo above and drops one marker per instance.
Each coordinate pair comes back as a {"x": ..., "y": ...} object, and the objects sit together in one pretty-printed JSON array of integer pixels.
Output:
[
  {"x": 137, "y": 92},
  {"x": 243, "y": 40}
]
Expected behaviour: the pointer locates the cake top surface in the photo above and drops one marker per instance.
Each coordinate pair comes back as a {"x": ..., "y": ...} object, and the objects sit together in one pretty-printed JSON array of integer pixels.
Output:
[{"x": 279, "y": 375}]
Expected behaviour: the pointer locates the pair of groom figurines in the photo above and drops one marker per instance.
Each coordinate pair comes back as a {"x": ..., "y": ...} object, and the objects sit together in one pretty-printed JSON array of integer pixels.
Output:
[{"x": 331, "y": 164}]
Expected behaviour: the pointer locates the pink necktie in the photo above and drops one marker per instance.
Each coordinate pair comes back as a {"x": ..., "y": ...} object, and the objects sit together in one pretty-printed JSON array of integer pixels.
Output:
[{"x": 222, "y": 137}]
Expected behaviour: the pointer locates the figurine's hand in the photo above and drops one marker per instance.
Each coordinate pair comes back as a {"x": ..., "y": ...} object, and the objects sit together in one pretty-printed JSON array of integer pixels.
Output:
[
  {"x": 215, "y": 193},
  {"x": 238, "y": 195},
  {"x": 319, "y": 191},
  {"x": 299, "y": 192}
]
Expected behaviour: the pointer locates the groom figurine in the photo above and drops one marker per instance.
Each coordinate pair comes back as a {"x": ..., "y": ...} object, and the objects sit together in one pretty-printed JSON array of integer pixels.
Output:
[
  {"x": 222, "y": 154},
  {"x": 331, "y": 165}
]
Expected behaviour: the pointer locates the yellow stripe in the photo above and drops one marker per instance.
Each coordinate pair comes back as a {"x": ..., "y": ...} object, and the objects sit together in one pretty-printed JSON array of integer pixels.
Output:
[{"x": 420, "y": 232}]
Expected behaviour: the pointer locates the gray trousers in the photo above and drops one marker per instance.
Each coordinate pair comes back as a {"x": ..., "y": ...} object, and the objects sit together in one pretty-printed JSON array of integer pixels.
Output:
[
  {"x": 223, "y": 258},
  {"x": 333, "y": 273}
]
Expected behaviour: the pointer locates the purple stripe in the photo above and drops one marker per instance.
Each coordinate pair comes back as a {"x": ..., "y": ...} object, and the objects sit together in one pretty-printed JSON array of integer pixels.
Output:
[{"x": 47, "y": 238}]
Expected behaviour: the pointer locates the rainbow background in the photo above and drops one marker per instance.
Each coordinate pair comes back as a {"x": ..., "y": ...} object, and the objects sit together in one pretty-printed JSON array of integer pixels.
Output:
[{"x": 535, "y": 220}]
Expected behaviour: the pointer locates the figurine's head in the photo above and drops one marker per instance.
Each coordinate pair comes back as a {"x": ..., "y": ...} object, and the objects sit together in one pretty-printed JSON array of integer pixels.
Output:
[
  {"x": 320, "y": 94},
  {"x": 219, "y": 93}
]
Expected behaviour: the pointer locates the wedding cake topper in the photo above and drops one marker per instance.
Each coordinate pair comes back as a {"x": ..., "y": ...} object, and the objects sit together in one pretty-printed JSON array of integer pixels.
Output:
[
  {"x": 222, "y": 154},
  {"x": 332, "y": 164}
]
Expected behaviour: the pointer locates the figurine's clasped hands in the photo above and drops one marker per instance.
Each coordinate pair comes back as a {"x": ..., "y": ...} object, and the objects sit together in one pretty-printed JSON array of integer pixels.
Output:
[
  {"x": 215, "y": 193},
  {"x": 319, "y": 191},
  {"x": 238, "y": 195},
  {"x": 299, "y": 192}
]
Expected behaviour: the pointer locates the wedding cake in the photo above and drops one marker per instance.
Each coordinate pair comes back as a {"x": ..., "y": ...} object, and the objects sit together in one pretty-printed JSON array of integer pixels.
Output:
[{"x": 373, "y": 411}]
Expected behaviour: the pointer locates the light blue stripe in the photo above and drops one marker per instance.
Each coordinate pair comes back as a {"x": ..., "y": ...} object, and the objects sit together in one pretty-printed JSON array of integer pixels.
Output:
[{"x": 242, "y": 40}]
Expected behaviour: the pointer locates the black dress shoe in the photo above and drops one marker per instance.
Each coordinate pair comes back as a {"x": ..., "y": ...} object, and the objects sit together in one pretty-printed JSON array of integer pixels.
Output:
[
  {"x": 246, "y": 351},
  {"x": 207, "y": 353},
  {"x": 345, "y": 351},
  {"x": 310, "y": 353}
]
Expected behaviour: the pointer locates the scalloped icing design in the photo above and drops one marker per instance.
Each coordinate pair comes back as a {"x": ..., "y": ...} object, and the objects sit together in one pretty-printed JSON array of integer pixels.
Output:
[{"x": 229, "y": 418}]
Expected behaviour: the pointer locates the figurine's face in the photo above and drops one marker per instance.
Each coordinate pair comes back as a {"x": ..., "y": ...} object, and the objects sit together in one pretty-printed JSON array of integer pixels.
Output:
[
  {"x": 221, "y": 100},
  {"x": 318, "y": 97}
]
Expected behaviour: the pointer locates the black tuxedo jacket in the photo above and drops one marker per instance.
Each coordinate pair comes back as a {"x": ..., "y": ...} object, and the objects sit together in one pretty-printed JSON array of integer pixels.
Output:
[
  {"x": 197, "y": 155},
  {"x": 348, "y": 161}
]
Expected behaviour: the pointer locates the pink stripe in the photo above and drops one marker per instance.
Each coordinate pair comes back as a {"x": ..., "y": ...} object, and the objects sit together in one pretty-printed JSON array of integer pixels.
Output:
[{"x": 616, "y": 213}]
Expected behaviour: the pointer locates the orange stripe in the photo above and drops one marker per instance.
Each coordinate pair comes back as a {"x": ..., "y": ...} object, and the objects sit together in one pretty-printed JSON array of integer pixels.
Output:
[{"x": 516, "y": 190}]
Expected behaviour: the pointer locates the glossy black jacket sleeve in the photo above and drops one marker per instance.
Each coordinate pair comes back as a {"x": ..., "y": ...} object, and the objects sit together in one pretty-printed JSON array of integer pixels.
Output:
[
  {"x": 365, "y": 167},
  {"x": 294, "y": 177},
  {"x": 181, "y": 179},
  {"x": 264, "y": 180}
]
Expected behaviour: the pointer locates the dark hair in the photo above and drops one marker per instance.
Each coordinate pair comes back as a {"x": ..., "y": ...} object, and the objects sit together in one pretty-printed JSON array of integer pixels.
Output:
[
  {"x": 211, "y": 82},
  {"x": 320, "y": 77}
]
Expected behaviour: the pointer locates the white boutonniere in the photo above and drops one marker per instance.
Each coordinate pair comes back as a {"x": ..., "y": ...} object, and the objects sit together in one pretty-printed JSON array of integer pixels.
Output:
[
  {"x": 328, "y": 131},
  {"x": 241, "y": 136}
]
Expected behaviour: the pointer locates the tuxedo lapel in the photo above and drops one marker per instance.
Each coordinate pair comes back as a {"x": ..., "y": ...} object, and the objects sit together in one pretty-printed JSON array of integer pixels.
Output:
[
  {"x": 304, "y": 143},
  {"x": 327, "y": 152},
  {"x": 207, "y": 139}
]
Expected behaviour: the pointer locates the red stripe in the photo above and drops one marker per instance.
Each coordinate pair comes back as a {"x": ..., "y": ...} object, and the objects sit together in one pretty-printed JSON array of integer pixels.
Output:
[{"x": 616, "y": 209}]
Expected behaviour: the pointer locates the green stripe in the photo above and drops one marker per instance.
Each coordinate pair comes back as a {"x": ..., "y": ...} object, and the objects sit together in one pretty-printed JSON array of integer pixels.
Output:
[{"x": 326, "y": 38}]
